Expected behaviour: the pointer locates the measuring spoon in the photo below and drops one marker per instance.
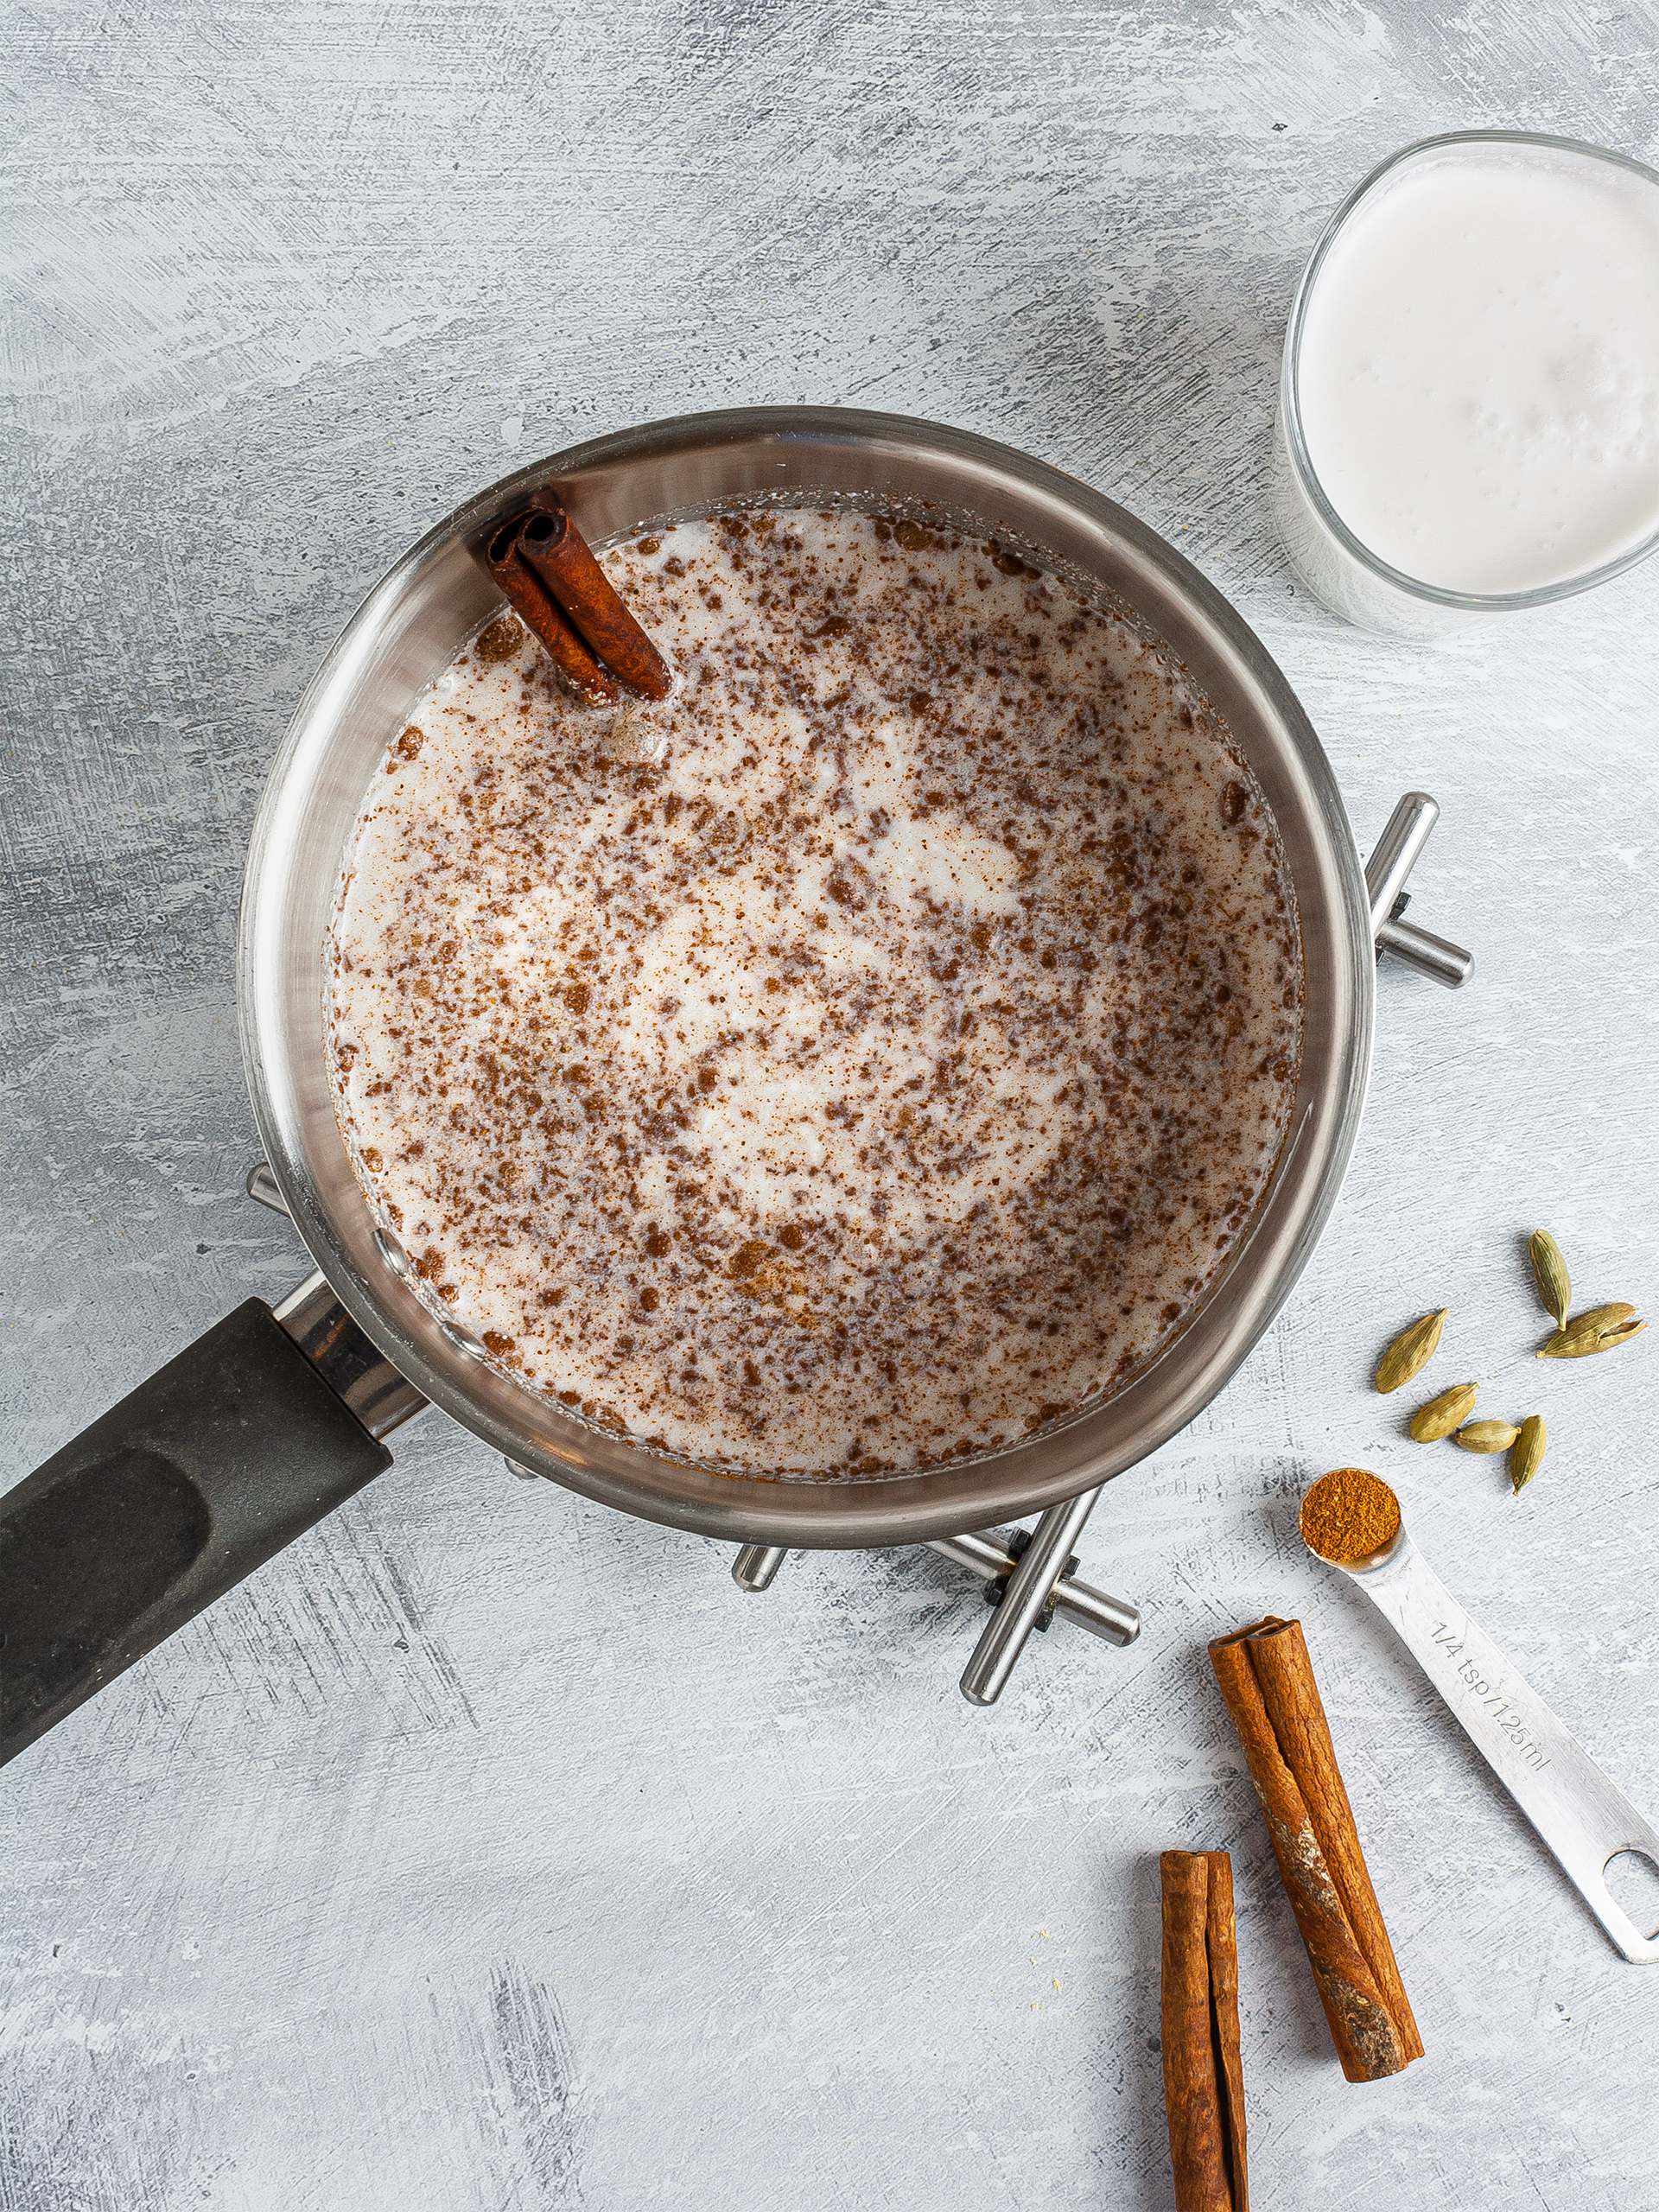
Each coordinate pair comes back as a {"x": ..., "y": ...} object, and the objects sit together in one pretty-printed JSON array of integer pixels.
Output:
[{"x": 1583, "y": 1818}]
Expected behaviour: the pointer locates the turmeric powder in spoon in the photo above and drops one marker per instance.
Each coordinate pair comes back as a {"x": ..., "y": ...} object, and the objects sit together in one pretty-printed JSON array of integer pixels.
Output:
[{"x": 1349, "y": 1515}]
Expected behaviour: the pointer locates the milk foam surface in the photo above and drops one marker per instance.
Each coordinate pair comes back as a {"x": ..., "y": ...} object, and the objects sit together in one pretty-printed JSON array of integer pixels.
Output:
[
  {"x": 853, "y": 1061},
  {"x": 1479, "y": 368}
]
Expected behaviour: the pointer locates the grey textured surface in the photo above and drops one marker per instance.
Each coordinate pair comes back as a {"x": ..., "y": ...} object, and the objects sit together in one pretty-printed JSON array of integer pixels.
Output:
[{"x": 487, "y": 1850}]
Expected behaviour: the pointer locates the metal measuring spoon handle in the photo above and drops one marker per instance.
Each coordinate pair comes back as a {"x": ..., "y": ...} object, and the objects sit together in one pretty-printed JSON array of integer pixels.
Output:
[{"x": 1575, "y": 1808}]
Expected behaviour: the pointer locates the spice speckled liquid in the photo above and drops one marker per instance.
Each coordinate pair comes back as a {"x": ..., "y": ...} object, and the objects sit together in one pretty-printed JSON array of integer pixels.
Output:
[{"x": 853, "y": 1061}]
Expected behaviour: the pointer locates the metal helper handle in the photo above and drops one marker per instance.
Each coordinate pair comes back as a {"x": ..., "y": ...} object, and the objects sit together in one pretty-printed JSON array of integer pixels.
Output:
[
  {"x": 1398, "y": 850},
  {"x": 1113, "y": 1619},
  {"x": 1434, "y": 956},
  {"x": 1026, "y": 1597},
  {"x": 756, "y": 1565},
  {"x": 1578, "y": 1811}
]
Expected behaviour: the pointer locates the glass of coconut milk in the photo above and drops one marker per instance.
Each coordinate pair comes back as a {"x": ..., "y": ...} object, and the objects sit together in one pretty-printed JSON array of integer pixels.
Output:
[{"x": 1469, "y": 407}]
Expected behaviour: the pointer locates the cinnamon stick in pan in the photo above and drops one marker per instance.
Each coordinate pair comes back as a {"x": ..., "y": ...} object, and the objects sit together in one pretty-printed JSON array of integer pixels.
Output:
[
  {"x": 564, "y": 563},
  {"x": 1266, "y": 1679},
  {"x": 517, "y": 581},
  {"x": 1204, "y": 2081}
]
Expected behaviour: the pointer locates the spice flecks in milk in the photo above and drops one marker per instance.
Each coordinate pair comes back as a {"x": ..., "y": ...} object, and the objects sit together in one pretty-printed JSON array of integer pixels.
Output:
[{"x": 857, "y": 1060}]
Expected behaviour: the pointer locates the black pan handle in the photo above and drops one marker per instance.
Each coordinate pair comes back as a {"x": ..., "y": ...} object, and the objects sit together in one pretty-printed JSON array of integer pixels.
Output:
[{"x": 215, "y": 1463}]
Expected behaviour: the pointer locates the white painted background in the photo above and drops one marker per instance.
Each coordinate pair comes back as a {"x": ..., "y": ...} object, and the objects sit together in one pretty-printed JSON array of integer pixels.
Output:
[{"x": 487, "y": 1850}]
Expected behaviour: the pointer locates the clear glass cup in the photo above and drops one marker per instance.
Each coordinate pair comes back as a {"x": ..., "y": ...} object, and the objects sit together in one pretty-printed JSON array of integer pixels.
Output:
[{"x": 1340, "y": 571}]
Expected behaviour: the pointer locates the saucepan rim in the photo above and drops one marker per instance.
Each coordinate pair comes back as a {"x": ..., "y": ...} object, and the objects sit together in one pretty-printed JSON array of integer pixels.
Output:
[{"x": 281, "y": 994}]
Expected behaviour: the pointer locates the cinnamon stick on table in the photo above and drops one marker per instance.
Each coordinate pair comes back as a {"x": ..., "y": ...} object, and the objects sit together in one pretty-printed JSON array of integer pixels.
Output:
[
  {"x": 1204, "y": 2081},
  {"x": 564, "y": 563},
  {"x": 517, "y": 581},
  {"x": 1266, "y": 1679}
]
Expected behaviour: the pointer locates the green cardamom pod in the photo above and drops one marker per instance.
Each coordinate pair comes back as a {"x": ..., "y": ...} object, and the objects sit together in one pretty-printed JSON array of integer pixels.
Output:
[
  {"x": 1411, "y": 1351},
  {"x": 1581, "y": 1347},
  {"x": 1487, "y": 1436},
  {"x": 1442, "y": 1414},
  {"x": 1621, "y": 1335},
  {"x": 1595, "y": 1319},
  {"x": 1549, "y": 1273},
  {"x": 1526, "y": 1454},
  {"x": 1599, "y": 1330}
]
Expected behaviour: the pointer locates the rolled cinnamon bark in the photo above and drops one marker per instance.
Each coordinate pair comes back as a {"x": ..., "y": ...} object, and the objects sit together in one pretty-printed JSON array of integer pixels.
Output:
[
  {"x": 564, "y": 564},
  {"x": 1204, "y": 2081},
  {"x": 1266, "y": 1679},
  {"x": 516, "y": 578}
]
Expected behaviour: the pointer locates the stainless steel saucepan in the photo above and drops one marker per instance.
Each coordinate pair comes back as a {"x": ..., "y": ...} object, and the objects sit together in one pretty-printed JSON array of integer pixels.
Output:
[{"x": 271, "y": 1419}]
